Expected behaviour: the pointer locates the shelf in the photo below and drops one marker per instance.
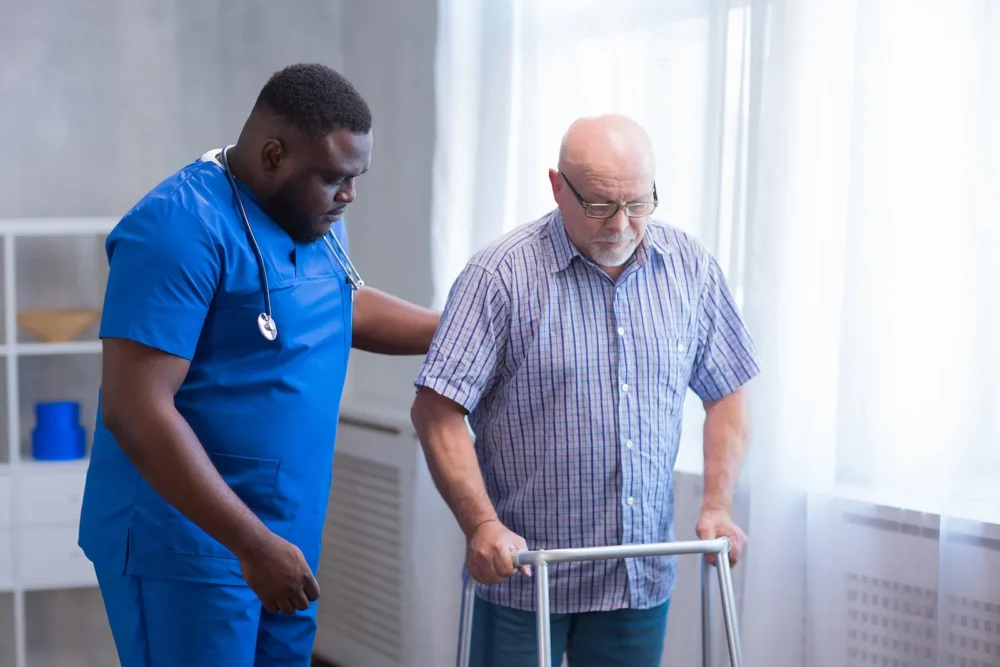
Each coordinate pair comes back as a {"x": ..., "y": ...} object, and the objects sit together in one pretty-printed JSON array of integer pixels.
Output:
[
  {"x": 65, "y": 377},
  {"x": 40, "y": 349},
  {"x": 56, "y": 226},
  {"x": 5, "y": 449},
  {"x": 7, "y": 638},
  {"x": 54, "y": 616},
  {"x": 32, "y": 467},
  {"x": 56, "y": 273}
]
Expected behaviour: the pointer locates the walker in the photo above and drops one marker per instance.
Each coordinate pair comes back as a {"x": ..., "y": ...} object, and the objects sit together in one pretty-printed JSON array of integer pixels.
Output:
[{"x": 540, "y": 561}]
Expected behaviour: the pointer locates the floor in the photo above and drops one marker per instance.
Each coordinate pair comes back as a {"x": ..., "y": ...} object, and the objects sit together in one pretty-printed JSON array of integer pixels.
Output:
[{"x": 64, "y": 628}]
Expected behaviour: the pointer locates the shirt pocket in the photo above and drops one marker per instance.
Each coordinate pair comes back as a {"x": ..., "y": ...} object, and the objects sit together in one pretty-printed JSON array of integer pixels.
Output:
[
  {"x": 672, "y": 371},
  {"x": 253, "y": 480}
]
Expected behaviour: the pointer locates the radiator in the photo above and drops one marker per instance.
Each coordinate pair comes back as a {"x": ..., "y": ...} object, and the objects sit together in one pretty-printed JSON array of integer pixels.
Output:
[
  {"x": 883, "y": 589},
  {"x": 906, "y": 593},
  {"x": 873, "y": 578},
  {"x": 384, "y": 600}
]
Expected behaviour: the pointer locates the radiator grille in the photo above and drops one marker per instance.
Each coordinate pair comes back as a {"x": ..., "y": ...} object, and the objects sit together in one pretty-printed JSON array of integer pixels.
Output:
[
  {"x": 892, "y": 624},
  {"x": 362, "y": 576},
  {"x": 973, "y": 633}
]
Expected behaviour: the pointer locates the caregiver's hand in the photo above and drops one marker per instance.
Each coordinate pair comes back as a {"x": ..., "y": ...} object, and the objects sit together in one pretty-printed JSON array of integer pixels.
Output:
[{"x": 277, "y": 572}]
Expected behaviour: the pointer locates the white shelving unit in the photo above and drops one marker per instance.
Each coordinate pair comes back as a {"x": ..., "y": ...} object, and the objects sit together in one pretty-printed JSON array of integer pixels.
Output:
[{"x": 47, "y": 264}]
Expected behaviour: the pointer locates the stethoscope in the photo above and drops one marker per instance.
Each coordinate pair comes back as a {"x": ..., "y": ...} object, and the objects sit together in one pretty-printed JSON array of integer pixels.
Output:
[{"x": 265, "y": 321}]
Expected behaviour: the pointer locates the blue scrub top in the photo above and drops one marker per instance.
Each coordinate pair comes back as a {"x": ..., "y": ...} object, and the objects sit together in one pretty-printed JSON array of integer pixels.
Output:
[{"x": 184, "y": 279}]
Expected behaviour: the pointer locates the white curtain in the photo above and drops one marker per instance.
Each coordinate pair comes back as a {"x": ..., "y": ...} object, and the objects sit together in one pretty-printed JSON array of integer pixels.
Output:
[
  {"x": 842, "y": 160},
  {"x": 872, "y": 286}
]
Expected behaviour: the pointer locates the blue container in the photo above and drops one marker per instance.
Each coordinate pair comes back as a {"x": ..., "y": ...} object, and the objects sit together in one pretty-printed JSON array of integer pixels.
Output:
[{"x": 58, "y": 435}]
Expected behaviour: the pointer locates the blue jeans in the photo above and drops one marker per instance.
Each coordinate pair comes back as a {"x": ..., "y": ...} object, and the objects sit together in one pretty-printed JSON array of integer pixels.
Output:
[{"x": 505, "y": 637}]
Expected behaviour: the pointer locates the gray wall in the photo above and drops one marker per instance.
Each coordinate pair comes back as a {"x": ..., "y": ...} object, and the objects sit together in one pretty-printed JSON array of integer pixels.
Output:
[
  {"x": 102, "y": 100},
  {"x": 388, "y": 49}
]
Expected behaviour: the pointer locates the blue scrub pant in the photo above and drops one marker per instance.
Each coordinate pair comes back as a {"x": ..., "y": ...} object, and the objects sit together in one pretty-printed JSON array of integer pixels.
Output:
[
  {"x": 159, "y": 623},
  {"x": 505, "y": 637}
]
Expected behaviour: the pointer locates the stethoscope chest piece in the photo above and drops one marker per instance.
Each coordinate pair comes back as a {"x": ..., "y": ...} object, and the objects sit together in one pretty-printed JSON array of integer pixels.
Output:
[{"x": 268, "y": 328}]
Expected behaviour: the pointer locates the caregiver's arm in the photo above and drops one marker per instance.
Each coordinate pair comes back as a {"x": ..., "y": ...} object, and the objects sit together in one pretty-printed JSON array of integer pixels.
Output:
[
  {"x": 451, "y": 458},
  {"x": 386, "y": 324},
  {"x": 137, "y": 398}
]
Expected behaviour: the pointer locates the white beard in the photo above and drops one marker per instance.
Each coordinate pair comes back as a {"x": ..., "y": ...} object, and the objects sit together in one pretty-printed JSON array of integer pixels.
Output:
[{"x": 612, "y": 257}]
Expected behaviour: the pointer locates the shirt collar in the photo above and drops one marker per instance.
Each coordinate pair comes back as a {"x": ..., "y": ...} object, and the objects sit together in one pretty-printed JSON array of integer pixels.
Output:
[
  {"x": 565, "y": 251},
  {"x": 214, "y": 156},
  {"x": 563, "y": 248}
]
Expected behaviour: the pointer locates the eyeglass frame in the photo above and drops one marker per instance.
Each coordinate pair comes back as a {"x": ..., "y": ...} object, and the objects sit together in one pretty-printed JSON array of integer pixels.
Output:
[{"x": 618, "y": 207}]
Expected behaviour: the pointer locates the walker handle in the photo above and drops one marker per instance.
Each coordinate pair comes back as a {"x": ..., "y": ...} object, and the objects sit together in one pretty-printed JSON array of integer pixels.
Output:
[
  {"x": 541, "y": 560},
  {"x": 717, "y": 546}
]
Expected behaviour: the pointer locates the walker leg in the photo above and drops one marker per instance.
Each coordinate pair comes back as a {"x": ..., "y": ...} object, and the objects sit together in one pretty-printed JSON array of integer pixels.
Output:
[
  {"x": 544, "y": 630},
  {"x": 706, "y": 612},
  {"x": 465, "y": 623},
  {"x": 729, "y": 610}
]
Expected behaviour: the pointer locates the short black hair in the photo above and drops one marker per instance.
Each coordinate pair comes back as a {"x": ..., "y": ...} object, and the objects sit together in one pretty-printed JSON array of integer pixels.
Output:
[{"x": 316, "y": 100}]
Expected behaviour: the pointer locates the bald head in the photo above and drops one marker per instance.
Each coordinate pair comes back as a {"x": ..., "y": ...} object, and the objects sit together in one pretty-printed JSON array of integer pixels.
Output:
[
  {"x": 612, "y": 147},
  {"x": 606, "y": 160}
]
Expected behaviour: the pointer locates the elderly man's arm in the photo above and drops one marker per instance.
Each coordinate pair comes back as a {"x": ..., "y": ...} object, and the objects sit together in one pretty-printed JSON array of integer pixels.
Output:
[
  {"x": 725, "y": 363},
  {"x": 454, "y": 467},
  {"x": 386, "y": 324},
  {"x": 460, "y": 370},
  {"x": 727, "y": 437},
  {"x": 451, "y": 458}
]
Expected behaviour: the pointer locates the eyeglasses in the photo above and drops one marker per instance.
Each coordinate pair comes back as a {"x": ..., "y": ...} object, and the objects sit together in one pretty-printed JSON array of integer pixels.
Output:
[{"x": 637, "y": 209}]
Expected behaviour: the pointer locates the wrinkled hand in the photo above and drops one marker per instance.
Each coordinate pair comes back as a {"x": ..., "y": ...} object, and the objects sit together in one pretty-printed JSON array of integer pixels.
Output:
[
  {"x": 719, "y": 523},
  {"x": 489, "y": 553},
  {"x": 278, "y": 573}
]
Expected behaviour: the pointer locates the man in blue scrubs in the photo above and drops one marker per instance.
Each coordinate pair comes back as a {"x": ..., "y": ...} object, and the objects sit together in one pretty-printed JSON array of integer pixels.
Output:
[{"x": 213, "y": 453}]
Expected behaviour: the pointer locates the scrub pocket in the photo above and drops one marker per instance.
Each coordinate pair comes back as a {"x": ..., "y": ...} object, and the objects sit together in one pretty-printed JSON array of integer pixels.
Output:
[{"x": 253, "y": 480}]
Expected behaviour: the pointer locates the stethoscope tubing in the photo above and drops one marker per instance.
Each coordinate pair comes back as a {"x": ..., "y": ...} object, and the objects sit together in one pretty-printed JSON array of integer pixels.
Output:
[
  {"x": 261, "y": 267},
  {"x": 343, "y": 259}
]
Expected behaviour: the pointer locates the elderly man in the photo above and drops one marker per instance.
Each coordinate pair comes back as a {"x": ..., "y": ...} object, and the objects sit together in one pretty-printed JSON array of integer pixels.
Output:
[{"x": 570, "y": 343}]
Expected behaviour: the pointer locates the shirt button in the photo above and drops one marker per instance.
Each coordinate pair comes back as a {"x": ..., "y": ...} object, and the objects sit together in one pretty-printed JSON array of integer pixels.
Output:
[
  {"x": 629, "y": 500},
  {"x": 628, "y": 443},
  {"x": 621, "y": 331},
  {"x": 624, "y": 387},
  {"x": 680, "y": 347}
]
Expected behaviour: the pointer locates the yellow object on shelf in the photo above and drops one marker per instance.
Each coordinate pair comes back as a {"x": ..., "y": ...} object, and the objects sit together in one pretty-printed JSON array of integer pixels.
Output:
[{"x": 61, "y": 325}]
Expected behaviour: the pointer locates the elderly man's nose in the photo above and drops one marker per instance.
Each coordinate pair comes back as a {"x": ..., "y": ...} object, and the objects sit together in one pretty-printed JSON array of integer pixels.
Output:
[{"x": 618, "y": 222}]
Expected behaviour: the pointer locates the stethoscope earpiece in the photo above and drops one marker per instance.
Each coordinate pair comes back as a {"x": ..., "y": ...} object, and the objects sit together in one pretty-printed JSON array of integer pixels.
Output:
[{"x": 265, "y": 321}]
